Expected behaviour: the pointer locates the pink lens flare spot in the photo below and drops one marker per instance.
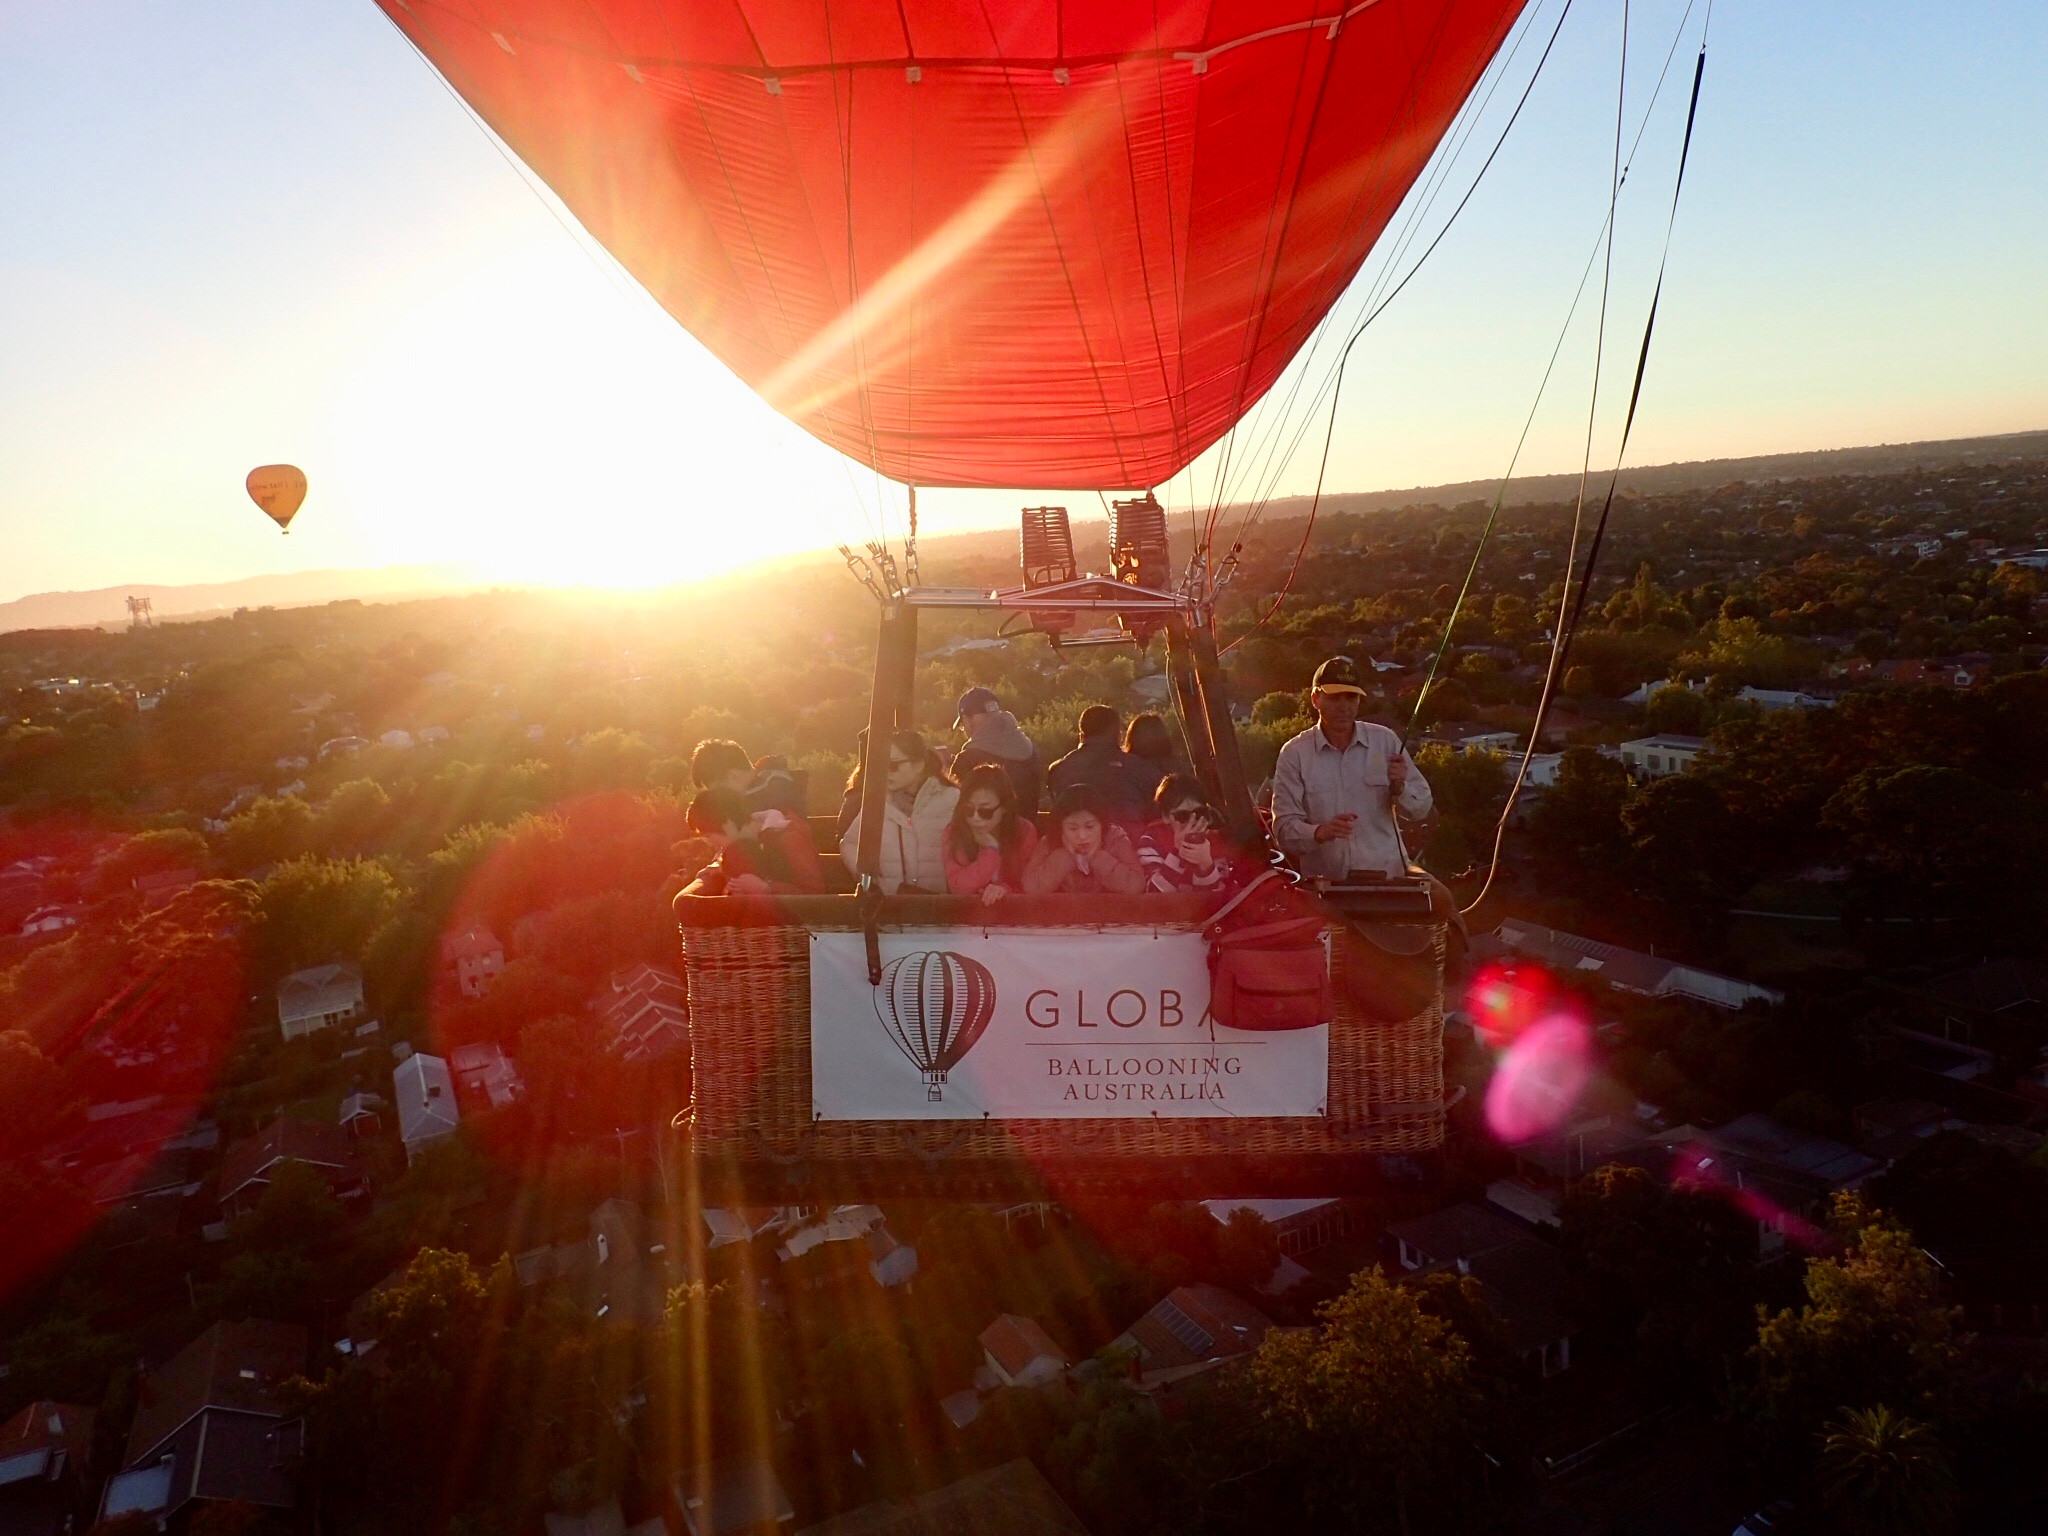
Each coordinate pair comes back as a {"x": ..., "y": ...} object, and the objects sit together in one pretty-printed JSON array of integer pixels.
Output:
[{"x": 1539, "y": 1079}]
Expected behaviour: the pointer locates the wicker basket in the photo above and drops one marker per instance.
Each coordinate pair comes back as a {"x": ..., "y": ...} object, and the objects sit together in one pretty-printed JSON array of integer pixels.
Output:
[{"x": 747, "y": 963}]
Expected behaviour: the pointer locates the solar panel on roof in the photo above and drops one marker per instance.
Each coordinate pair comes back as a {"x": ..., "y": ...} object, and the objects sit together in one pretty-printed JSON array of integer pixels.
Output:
[{"x": 1184, "y": 1328}]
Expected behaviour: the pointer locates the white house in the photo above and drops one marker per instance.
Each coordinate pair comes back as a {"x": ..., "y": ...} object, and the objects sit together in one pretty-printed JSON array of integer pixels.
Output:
[
  {"x": 1771, "y": 700},
  {"x": 891, "y": 1261},
  {"x": 1659, "y": 757},
  {"x": 842, "y": 1224},
  {"x": 1019, "y": 1353},
  {"x": 318, "y": 997},
  {"x": 425, "y": 1094},
  {"x": 49, "y": 920},
  {"x": 742, "y": 1224}
]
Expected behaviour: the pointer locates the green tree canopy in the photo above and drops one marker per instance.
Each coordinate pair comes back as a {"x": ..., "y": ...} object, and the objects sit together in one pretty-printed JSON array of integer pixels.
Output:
[
  {"x": 1873, "y": 1330},
  {"x": 315, "y": 909},
  {"x": 1381, "y": 1398}
]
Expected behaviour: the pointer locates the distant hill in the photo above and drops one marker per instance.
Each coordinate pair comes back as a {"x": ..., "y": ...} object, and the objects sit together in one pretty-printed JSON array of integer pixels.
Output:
[
  {"x": 1699, "y": 475},
  {"x": 106, "y": 607}
]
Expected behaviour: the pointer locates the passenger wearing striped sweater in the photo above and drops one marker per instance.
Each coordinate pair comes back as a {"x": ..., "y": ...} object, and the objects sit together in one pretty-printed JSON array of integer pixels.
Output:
[{"x": 1183, "y": 849}]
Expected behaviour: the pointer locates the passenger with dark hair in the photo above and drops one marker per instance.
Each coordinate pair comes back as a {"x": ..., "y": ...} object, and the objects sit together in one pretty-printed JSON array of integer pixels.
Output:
[
  {"x": 917, "y": 810},
  {"x": 1184, "y": 850},
  {"x": 1149, "y": 749},
  {"x": 1088, "y": 851},
  {"x": 759, "y": 853},
  {"x": 990, "y": 844},
  {"x": 849, "y": 799},
  {"x": 994, "y": 736},
  {"x": 1099, "y": 762},
  {"x": 766, "y": 784}
]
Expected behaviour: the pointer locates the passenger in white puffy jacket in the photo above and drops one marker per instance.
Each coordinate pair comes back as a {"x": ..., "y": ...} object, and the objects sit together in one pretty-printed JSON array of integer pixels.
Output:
[{"x": 918, "y": 810}]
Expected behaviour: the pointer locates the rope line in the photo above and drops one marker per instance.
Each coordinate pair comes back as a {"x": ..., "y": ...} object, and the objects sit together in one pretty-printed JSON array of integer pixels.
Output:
[{"x": 1568, "y": 630}]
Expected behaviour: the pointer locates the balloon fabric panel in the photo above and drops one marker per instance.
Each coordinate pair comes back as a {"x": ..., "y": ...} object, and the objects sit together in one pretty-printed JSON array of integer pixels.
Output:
[{"x": 995, "y": 244}]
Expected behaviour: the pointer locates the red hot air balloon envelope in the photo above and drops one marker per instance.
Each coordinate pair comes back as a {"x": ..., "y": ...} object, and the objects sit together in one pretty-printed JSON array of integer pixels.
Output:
[
  {"x": 981, "y": 242},
  {"x": 278, "y": 489}
]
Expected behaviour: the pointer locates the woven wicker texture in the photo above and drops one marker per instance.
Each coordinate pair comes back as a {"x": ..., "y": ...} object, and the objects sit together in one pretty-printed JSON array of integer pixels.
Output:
[{"x": 750, "y": 1041}]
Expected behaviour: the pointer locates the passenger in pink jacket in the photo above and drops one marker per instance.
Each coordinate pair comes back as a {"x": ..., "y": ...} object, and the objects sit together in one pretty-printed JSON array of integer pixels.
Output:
[
  {"x": 988, "y": 845},
  {"x": 1090, "y": 854}
]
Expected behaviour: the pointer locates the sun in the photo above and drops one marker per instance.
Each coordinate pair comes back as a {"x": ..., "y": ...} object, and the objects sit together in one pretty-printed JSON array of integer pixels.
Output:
[{"x": 536, "y": 425}]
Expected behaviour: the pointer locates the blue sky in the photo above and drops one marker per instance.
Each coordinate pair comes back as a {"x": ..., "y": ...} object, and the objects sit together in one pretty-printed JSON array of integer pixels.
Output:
[{"x": 243, "y": 231}]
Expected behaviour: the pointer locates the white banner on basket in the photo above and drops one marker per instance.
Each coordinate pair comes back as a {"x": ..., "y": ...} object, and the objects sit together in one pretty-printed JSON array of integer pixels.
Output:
[{"x": 1042, "y": 1025}]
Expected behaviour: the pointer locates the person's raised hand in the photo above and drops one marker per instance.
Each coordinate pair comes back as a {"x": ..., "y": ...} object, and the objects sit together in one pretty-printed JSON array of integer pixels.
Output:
[{"x": 1397, "y": 774}]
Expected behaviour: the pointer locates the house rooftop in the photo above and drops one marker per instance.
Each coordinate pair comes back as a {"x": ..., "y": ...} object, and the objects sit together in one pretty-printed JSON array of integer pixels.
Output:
[
  {"x": 1274, "y": 1211},
  {"x": 1629, "y": 970},
  {"x": 1528, "y": 1285},
  {"x": 284, "y": 1140},
  {"x": 1194, "y": 1324},
  {"x": 1456, "y": 1232},
  {"x": 471, "y": 943},
  {"x": 424, "y": 1093},
  {"x": 47, "y": 1428},
  {"x": 1014, "y": 1342},
  {"x": 319, "y": 990},
  {"x": 233, "y": 1365},
  {"x": 1994, "y": 986}
]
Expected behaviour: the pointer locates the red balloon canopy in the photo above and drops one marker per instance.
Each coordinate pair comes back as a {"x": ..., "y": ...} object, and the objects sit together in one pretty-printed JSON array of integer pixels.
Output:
[{"x": 981, "y": 242}]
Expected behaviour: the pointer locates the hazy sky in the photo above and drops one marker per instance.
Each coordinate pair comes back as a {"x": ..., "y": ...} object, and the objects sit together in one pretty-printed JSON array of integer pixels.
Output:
[{"x": 240, "y": 231}]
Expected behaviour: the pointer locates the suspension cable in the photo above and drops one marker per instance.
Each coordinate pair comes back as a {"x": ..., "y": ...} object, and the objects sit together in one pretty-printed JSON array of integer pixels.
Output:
[
  {"x": 1571, "y": 615},
  {"x": 1344, "y": 358}
]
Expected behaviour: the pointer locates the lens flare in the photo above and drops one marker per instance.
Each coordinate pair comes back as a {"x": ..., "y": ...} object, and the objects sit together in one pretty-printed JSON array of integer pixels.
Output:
[
  {"x": 1505, "y": 998},
  {"x": 1700, "y": 1169},
  {"x": 1539, "y": 1078}
]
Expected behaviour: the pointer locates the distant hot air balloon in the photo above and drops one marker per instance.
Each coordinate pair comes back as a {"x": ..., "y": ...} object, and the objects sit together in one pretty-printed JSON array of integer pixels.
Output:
[
  {"x": 278, "y": 489},
  {"x": 935, "y": 1005}
]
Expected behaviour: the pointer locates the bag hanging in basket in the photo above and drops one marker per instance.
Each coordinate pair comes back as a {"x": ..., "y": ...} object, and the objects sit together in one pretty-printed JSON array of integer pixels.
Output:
[{"x": 1273, "y": 972}]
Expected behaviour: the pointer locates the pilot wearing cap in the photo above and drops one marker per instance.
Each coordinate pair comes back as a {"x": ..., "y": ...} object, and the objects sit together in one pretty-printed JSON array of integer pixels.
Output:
[{"x": 1337, "y": 785}]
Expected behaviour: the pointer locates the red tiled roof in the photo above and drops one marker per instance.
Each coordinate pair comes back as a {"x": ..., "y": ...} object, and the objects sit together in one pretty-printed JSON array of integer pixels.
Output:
[{"x": 1014, "y": 1342}]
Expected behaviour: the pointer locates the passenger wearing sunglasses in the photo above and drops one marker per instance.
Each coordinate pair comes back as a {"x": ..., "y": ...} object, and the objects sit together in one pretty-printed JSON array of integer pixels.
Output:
[
  {"x": 989, "y": 844},
  {"x": 1184, "y": 849},
  {"x": 916, "y": 812}
]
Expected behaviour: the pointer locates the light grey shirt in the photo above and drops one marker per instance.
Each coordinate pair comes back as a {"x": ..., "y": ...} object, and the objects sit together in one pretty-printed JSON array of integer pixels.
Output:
[{"x": 1314, "y": 781}]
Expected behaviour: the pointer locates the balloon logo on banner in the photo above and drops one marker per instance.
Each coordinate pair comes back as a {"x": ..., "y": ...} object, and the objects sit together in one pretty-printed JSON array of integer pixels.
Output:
[
  {"x": 934, "y": 1006},
  {"x": 278, "y": 489}
]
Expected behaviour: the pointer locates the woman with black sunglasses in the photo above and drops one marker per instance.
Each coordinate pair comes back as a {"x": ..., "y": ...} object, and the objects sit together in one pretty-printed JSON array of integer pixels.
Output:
[
  {"x": 988, "y": 843},
  {"x": 1183, "y": 849}
]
